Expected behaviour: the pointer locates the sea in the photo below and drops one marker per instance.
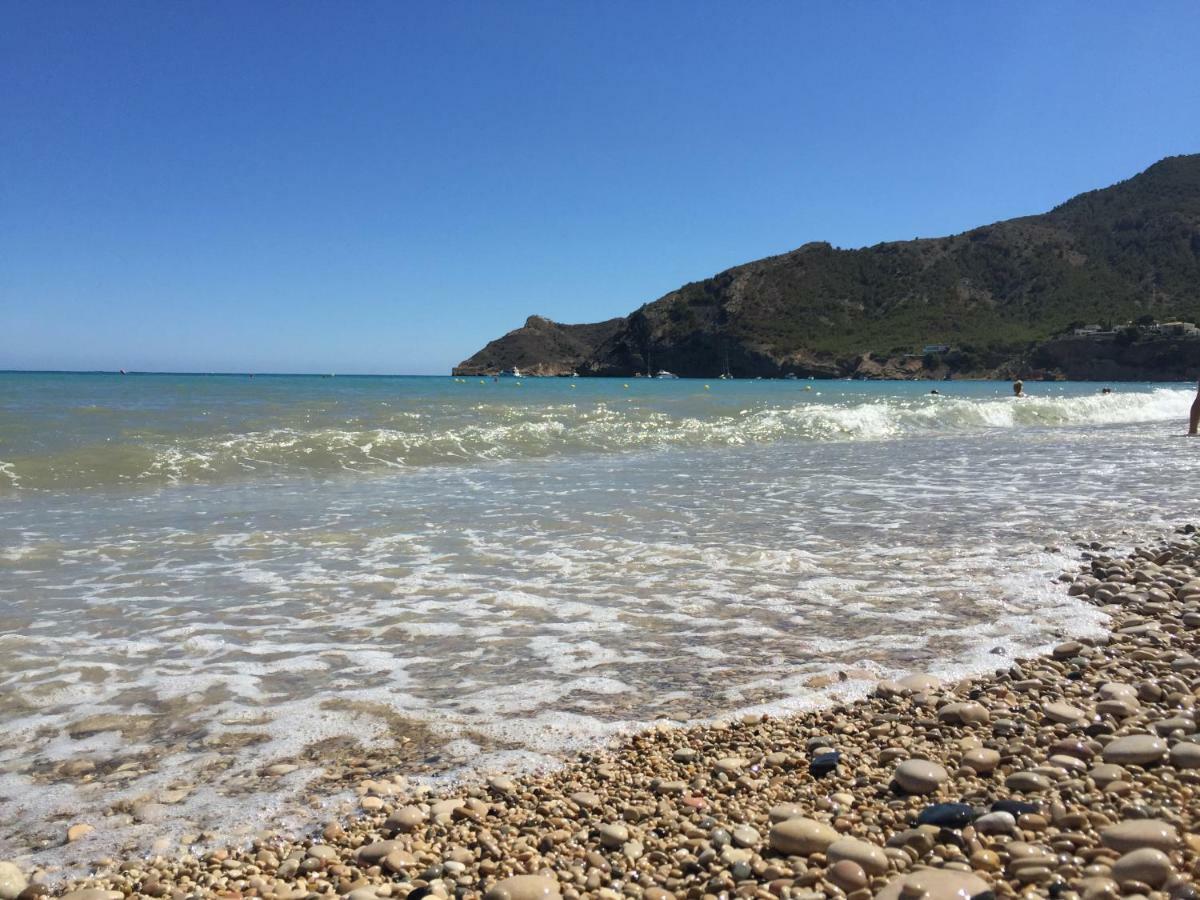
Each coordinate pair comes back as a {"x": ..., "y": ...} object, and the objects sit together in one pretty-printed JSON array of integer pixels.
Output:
[{"x": 203, "y": 577}]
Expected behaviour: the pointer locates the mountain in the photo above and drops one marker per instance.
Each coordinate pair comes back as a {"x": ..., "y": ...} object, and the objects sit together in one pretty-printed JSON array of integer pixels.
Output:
[
  {"x": 993, "y": 295},
  {"x": 542, "y": 347}
]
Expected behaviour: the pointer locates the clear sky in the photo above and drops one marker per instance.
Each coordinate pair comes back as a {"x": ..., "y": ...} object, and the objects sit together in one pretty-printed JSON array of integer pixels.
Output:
[{"x": 385, "y": 186}]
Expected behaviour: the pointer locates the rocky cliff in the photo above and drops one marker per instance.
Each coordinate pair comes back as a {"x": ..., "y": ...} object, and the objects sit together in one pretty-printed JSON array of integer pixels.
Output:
[
  {"x": 991, "y": 294},
  {"x": 541, "y": 347},
  {"x": 1111, "y": 359}
]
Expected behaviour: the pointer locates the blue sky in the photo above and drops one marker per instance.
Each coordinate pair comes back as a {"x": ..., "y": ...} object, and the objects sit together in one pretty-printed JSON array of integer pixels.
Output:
[{"x": 383, "y": 187}]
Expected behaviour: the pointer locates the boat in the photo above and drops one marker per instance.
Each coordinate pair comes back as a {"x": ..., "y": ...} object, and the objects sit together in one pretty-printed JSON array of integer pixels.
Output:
[
  {"x": 663, "y": 373},
  {"x": 514, "y": 372},
  {"x": 791, "y": 376}
]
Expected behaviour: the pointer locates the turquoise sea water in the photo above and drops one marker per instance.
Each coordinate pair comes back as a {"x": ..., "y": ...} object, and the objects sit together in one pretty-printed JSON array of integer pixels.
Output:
[
  {"x": 73, "y": 431},
  {"x": 203, "y": 575}
]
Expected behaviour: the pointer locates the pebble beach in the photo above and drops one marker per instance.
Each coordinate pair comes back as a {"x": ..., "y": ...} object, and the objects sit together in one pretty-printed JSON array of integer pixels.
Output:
[{"x": 1072, "y": 775}]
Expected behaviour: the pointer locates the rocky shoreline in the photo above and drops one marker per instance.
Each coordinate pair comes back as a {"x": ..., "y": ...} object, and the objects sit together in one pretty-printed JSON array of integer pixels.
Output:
[{"x": 1072, "y": 775}]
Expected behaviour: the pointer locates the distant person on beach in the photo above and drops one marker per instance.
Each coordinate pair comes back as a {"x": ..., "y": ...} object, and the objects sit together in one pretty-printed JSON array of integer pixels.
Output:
[
  {"x": 1194, "y": 418},
  {"x": 1019, "y": 388}
]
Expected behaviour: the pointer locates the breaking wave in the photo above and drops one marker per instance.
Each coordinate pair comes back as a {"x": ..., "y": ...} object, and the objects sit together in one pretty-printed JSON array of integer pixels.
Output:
[{"x": 478, "y": 434}]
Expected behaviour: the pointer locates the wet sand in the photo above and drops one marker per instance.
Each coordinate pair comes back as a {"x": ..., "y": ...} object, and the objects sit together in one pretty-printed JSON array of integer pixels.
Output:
[{"x": 1072, "y": 775}]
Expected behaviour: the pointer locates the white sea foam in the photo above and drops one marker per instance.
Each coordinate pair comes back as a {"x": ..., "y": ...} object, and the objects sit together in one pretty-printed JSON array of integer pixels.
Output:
[{"x": 466, "y": 435}]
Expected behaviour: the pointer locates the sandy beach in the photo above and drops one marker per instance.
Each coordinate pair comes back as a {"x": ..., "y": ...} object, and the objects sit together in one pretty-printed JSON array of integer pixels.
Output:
[{"x": 1071, "y": 775}]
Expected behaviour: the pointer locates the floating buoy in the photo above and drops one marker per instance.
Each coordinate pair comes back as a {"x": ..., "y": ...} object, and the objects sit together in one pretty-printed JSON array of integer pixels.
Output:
[
  {"x": 808, "y": 387},
  {"x": 706, "y": 387},
  {"x": 626, "y": 385}
]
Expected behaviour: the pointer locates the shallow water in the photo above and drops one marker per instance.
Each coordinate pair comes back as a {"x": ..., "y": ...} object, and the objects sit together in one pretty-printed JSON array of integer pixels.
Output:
[{"x": 200, "y": 577}]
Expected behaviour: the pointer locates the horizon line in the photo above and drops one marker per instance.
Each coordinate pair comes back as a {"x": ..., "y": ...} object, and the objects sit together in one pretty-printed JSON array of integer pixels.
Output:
[{"x": 220, "y": 374}]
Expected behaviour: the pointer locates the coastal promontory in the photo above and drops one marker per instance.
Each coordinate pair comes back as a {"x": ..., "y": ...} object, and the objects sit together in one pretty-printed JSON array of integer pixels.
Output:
[{"x": 1105, "y": 285}]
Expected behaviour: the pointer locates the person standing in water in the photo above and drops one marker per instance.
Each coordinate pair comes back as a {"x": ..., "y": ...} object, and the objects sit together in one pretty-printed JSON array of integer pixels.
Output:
[
  {"x": 1019, "y": 388},
  {"x": 1194, "y": 418}
]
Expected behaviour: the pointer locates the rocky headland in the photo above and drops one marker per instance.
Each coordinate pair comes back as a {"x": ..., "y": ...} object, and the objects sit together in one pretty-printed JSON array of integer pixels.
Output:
[
  {"x": 1073, "y": 775},
  {"x": 989, "y": 301}
]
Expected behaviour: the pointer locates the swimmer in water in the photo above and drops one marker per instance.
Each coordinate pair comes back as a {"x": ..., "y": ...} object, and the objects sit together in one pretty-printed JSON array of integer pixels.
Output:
[
  {"x": 1106, "y": 390},
  {"x": 1194, "y": 417},
  {"x": 1019, "y": 388}
]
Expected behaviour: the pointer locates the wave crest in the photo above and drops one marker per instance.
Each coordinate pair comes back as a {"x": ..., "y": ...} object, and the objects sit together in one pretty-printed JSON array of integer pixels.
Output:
[{"x": 494, "y": 433}]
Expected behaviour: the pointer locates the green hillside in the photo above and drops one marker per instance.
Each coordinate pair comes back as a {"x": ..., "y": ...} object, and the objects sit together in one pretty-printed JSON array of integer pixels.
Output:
[{"x": 1107, "y": 256}]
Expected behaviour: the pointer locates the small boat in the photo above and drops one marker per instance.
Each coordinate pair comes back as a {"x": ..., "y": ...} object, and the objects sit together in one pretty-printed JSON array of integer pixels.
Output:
[
  {"x": 663, "y": 373},
  {"x": 791, "y": 376},
  {"x": 514, "y": 372}
]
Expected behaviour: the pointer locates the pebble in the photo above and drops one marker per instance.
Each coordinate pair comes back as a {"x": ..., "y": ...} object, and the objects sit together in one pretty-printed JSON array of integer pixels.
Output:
[
  {"x": 1135, "y": 749},
  {"x": 1115, "y": 690},
  {"x": 374, "y": 852},
  {"x": 1134, "y": 834},
  {"x": 1067, "y": 650},
  {"x": 801, "y": 837},
  {"x": 996, "y": 823},
  {"x": 919, "y": 683},
  {"x": 1027, "y": 782},
  {"x": 1185, "y": 755},
  {"x": 848, "y": 875},
  {"x": 1062, "y": 712},
  {"x": 502, "y": 784},
  {"x": 731, "y": 764},
  {"x": 824, "y": 763},
  {"x": 1165, "y": 727},
  {"x": 79, "y": 832},
  {"x": 868, "y": 856},
  {"x": 1015, "y": 807},
  {"x": 1147, "y": 865},
  {"x": 920, "y": 776},
  {"x": 964, "y": 713},
  {"x": 1069, "y": 764},
  {"x": 947, "y": 815},
  {"x": 12, "y": 881},
  {"x": 1121, "y": 708},
  {"x": 746, "y": 836},
  {"x": 524, "y": 887},
  {"x": 405, "y": 819},
  {"x": 1105, "y": 774},
  {"x": 934, "y": 884},
  {"x": 443, "y": 810},
  {"x": 613, "y": 836},
  {"x": 982, "y": 760},
  {"x": 781, "y": 811},
  {"x": 1099, "y": 887},
  {"x": 987, "y": 860}
]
